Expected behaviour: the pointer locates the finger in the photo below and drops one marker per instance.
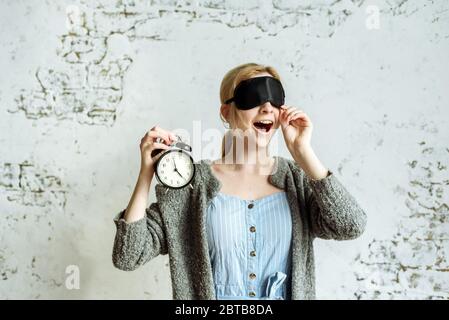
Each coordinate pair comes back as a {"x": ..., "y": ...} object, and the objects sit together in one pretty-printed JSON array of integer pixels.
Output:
[
  {"x": 157, "y": 132},
  {"x": 283, "y": 112},
  {"x": 161, "y": 133},
  {"x": 156, "y": 157},
  {"x": 155, "y": 145},
  {"x": 287, "y": 108},
  {"x": 291, "y": 115},
  {"x": 284, "y": 117},
  {"x": 305, "y": 116},
  {"x": 171, "y": 135},
  {"x": 166, "y": 135},
  {"x": 293, "y": 109},
  {"x": 302, "y": 117},
  {"x": 153, "y": 135},
  {"x": 150, "y": 137},
  {"x": 297, "y": 115},
  {"x": 157, "y": 150},
  {"x": 289, "y": 112},
  {"x": 295, "y": 112}
]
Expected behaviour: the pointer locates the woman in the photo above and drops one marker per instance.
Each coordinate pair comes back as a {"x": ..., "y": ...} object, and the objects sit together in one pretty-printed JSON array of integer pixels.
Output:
[{"x": 246, "y": 228}]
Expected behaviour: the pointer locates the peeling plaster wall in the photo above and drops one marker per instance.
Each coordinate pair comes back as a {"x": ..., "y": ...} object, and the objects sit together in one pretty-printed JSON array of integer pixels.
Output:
[{"x": 82, "y": 81}]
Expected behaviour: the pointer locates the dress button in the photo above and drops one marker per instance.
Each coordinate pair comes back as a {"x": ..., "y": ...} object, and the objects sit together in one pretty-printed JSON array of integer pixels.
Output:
[
  {"x": 252, "y": 253},
  {"x": 252, "y": 229},
  {"x": 251, "y": 205},
  {"x": 252, "y": 294},
  {"x": 252, "y": 276}
]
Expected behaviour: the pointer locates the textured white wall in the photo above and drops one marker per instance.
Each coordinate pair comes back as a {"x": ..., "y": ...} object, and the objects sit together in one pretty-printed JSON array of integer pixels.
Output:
[{"x": 77, "y": 94}]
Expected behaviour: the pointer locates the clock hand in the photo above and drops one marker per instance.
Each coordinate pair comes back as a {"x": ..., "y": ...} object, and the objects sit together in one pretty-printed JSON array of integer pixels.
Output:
[
  {"x": 174, "y": 164},
  {"x": 176, "y": 169},
  {"x": 180, "y": 174}
]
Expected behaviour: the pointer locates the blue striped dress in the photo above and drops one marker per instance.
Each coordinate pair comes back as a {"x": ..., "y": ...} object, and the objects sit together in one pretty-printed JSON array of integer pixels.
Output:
[{"x": 250, "y": 246}]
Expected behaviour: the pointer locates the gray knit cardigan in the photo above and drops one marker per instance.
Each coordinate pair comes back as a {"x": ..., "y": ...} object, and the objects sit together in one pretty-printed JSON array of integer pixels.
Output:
[{"x": 175, "y": 225}]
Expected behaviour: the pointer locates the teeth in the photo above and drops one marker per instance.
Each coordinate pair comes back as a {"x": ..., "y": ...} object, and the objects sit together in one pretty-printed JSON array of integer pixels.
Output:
[{"x": 264, "y": 125}]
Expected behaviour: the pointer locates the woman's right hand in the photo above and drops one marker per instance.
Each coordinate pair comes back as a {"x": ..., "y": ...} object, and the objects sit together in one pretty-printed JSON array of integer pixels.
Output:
[{"x": 149, "y": 143}]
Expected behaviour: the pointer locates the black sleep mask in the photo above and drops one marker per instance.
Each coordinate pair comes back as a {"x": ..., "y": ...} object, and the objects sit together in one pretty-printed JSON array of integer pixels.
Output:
[{"x": 256, "y": 91}]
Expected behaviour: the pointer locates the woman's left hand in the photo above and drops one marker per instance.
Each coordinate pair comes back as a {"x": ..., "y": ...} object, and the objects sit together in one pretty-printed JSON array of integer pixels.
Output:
[{"x": 296, "y": 127}]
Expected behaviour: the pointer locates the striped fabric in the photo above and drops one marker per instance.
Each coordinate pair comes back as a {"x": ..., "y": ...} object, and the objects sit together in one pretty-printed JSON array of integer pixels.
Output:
[{"x": 250, "y": 246}]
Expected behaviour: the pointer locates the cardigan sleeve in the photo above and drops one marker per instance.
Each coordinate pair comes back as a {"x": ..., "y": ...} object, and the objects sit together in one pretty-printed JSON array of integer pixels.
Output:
[
  {"x": 333, "y": 211},
  {"x": 139, "y": 241}
]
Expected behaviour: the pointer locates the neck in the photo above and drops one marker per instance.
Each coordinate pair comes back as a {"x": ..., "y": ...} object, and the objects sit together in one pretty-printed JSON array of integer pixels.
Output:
[{"x": 247, "y": 159}]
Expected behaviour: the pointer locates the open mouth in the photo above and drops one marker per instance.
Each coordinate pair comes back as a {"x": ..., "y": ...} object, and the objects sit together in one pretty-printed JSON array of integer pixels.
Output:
[{"x": 263, "y": 126}]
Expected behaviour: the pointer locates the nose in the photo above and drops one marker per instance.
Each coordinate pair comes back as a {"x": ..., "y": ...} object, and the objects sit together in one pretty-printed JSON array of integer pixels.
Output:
[{"x": 267, "y": 107}]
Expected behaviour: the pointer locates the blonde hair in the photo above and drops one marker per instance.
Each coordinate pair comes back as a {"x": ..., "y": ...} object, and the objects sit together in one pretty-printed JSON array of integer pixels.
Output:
[{"x": 231, "y": 79}]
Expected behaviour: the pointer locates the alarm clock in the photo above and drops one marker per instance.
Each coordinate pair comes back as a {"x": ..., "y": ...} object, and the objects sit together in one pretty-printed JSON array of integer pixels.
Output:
[{"x": 175, "y": 168}]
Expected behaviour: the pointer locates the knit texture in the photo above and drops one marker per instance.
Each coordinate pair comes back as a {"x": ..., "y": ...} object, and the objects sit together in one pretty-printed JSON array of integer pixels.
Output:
[{"x": 175, "y": 225}]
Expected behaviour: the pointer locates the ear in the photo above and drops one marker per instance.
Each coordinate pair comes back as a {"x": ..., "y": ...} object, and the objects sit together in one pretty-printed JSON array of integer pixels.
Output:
[{"x": 224, "y": 110}]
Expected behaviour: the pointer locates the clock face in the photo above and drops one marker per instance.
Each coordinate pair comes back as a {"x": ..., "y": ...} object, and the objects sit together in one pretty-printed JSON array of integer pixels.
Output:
[{"x": 175, "y": 169}]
